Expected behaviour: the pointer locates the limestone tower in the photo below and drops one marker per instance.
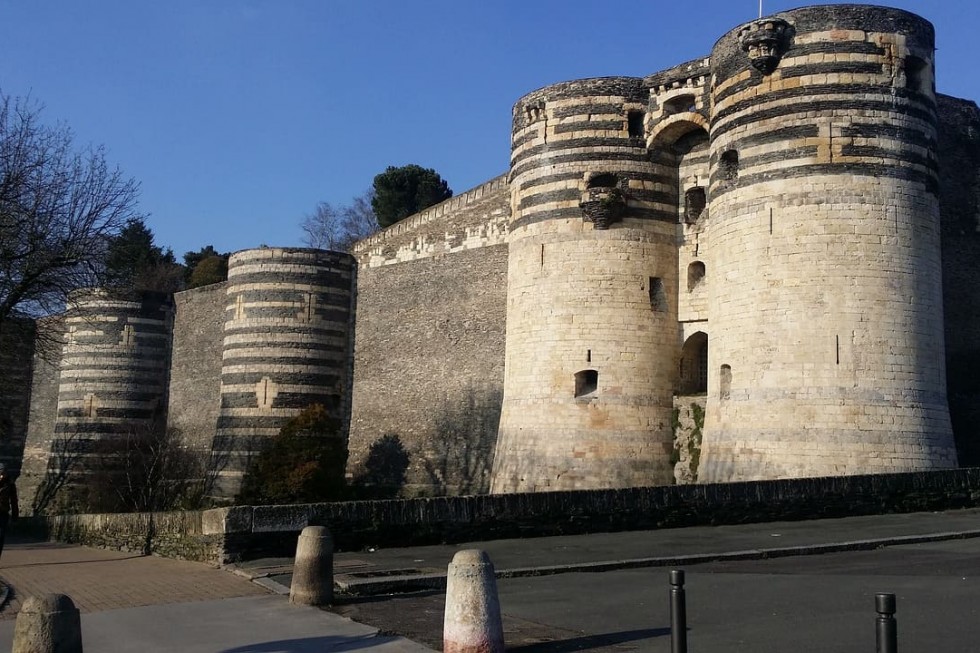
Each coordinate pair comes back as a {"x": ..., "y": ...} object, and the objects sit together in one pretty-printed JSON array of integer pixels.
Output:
[
  {"x": 286, "y": 346},
  {"x": 591, "y": 305},
  {"x": 826, "y": 345},
  {"x": 113, "y": 378}
]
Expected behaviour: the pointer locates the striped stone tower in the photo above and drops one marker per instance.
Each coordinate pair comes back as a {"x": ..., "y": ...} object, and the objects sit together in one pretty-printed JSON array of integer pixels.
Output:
[
  {"x": 113, "y": 373},
  {"x": 591, "y": 303},
  {"x": 286, "y": 346},
  {"x": 826, "y": 349}
]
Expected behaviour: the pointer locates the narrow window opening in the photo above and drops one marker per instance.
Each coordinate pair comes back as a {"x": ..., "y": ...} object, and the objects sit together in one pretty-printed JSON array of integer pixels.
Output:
[
  {"x": 542, "y": 254},
  {"x": 917, "y": 75},
  {"x": 604, "y": 180},
  {"x": 725, "y": 379},
  {"x": 679, "y": 104},
  {"x": 837, "y": 345},
  {"x": 695, "y": 275},
  {"x": 586, "y": 382},
  {"x": 634, "y": 124},
  {"x": 694, "y": 202},
  {"x": 658, "y": 296},
  {"x": 729, "y": 165},
  {"x": 588, "y": 356}
]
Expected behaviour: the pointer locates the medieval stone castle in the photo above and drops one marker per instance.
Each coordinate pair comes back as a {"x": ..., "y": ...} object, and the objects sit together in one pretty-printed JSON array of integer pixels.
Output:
[{"x": 759, "y": 264}]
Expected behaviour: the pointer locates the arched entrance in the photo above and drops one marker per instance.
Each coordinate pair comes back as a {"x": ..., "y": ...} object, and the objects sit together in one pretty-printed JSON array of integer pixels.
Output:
[{"x": 694, "y": 365}]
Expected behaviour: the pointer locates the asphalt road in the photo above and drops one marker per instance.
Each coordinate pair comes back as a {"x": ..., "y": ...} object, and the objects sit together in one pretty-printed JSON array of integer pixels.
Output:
[{"x": 809, "y": 603}]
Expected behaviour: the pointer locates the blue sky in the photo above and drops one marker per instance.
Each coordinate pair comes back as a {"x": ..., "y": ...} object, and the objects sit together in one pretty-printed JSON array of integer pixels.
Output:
[{"x": 238, "y": 116}]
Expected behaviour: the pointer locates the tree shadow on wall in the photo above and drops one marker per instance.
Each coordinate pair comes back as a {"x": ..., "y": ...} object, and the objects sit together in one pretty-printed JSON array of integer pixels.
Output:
[
  {"x": 465, "y": 435},
  {"x": 65, "y": 454},
  {"x": 384, "y": 470}
]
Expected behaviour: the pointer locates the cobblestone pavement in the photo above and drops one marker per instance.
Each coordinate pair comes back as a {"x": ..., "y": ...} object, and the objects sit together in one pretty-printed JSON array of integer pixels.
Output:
[{"x": 99, "y": 580}]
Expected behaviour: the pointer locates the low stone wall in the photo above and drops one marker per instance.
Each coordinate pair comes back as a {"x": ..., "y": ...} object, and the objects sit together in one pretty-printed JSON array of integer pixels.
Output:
[
  {"x": 244, "y": 532},
  {"x": 179, "y": 535}
]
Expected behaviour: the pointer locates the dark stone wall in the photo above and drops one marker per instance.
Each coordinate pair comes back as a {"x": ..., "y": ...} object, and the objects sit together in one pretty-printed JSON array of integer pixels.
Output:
[
  {"x": 34, "y": 486},
  {"x": 429, "y": 354},
  {"x": 428, "y": 364},
  {"x": 169, "y": 534},
  {"x": 255, "y": 532},
  {"x": 16, "y": 349},
  {"x": 195, "y": 370},
  {"x": 959, "y": 196}
]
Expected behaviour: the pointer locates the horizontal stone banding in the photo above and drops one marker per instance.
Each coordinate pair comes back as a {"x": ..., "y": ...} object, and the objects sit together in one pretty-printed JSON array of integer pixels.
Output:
[{"x": 755, "y": 111}]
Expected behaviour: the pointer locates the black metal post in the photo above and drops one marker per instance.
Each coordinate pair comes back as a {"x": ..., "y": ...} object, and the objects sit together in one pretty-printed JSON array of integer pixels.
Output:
[
  {"x": 678, "y": 612},
  {"x": 886, "y": 640}
]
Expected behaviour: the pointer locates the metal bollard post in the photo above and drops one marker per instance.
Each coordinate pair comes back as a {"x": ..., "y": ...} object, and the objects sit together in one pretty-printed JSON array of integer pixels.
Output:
[
  {"x": 886, "y": 637},
  {"x": 678, "y": 612}
]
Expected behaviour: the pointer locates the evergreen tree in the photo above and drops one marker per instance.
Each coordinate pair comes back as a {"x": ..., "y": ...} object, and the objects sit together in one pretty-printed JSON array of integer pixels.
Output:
[
  {"x": 401, "y": 192},
  {"x": 134, "y": 261}
]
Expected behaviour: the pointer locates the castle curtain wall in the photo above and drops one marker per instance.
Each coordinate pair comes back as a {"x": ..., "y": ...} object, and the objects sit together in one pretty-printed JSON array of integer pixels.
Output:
[
  {"x": 195, "y": 371},
  {"x": 959, "y": 194},
  {"x": 805, "y": 249},
  {"x": 429, "y": 348},
  {"x": 16, "y": 368}
]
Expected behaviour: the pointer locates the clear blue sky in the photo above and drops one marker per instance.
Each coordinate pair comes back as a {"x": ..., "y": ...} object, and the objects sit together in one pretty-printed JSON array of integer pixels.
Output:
[{"x": 238, "y": 116}]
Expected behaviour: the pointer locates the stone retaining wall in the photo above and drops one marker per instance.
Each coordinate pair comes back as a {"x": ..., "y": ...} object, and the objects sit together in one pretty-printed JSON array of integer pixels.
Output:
[{"x": 245, "y": 532}]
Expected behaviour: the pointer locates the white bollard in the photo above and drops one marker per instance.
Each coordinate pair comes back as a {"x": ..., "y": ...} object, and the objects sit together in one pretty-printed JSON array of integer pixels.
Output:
[
  {"x": 313, "y": 568},
  {"x": 48, "y": 624},
  {"x": 472, "y": 622}
]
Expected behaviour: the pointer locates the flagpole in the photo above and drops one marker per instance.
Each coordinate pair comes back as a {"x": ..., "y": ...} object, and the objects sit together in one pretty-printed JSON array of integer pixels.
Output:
[{"x": 760, "y": 8}]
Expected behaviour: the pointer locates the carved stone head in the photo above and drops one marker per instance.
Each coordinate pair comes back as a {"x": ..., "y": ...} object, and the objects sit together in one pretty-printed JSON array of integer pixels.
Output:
[{"x": 765, "y": 42}]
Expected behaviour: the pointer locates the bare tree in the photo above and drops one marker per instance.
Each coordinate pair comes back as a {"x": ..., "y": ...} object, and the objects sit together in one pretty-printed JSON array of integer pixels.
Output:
[
  {"x": 148, "y": 468},
  {"x": 58, "y": 209},
  {"x": 339, "y": 227},
  {"x": 461, "y": 454}
]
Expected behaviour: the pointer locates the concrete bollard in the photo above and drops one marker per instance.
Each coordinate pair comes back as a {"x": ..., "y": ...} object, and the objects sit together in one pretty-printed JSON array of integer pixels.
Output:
[
  {"x": 48, "y": 624},
  {"x": 313, "y": 568},
  {"x": 472, "y": 622}
]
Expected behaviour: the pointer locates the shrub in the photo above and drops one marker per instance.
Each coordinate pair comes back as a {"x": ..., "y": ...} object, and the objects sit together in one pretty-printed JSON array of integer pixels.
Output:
[{"x": 304, "y": 463}]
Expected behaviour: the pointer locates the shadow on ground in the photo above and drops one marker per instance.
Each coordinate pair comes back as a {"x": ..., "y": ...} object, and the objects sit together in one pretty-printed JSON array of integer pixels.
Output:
[
  {"x": 590, "y": 641},
  {"x": 307, "y": 645}
]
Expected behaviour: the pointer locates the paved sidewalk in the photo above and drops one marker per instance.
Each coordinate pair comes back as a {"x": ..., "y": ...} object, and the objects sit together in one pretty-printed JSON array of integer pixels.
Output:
[
  {"x": 131, "y": 602},
  {"x": 148, "y": 604},
  {"x": 98, "y": 580}
]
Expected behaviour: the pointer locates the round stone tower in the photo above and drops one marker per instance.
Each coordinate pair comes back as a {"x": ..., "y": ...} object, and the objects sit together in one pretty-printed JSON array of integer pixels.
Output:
[
  {"x": 113, "y": 381},
  {"x": 286, "y": 346},
  {"x": 826, "y": 351},
  {"x": 591, "y": 298}
]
